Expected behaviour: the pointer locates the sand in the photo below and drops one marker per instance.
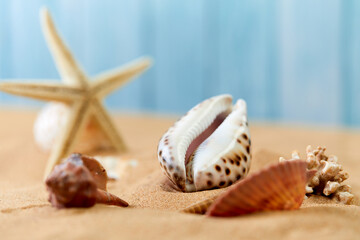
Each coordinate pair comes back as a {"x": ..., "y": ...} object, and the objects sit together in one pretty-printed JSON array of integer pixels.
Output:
[{"x": 154, "y": 211}]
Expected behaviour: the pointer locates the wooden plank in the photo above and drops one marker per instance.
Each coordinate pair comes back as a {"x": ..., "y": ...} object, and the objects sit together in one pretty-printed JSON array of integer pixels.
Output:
[
  {"x": 244, "y": 41},
  {"x": 211, "y": 48},
  {"x": 147, "y": 46},
  {"x": 179, "y": 55},
  {"x": 350, "y": 58},
  {"x": 310, "y": 80}
]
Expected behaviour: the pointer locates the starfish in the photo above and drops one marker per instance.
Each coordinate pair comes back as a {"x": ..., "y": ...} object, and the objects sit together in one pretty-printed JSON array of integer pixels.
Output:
[{"x": 83, "y": 96}]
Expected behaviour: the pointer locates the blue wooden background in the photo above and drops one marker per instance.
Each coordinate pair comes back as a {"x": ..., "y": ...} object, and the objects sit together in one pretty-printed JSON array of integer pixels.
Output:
[{"x": 292, "y": 61}]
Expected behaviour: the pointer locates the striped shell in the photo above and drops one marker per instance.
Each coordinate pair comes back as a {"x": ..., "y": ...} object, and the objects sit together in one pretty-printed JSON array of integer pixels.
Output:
[
  {"x": 209, "y": 147},
  {"x": 200, "y": 207},
  {"x": 278, "y": 187}
]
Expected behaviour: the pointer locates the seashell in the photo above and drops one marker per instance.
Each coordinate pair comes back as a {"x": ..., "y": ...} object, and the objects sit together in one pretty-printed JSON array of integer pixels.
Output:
[
  {"x": 97, "y": 171},
  {"x": 278, "y": 187},
  {"x": 53, "y": 117},
  {"x": 76, "y": 183},
  {"x": 209, "y": 147},
  {"x": 200, "y": 207}
]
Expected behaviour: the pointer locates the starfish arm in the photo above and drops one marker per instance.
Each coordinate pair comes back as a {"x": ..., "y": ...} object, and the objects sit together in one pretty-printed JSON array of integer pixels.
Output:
[
  {"x": 109, "y": 81},
  {"x": 75, "y": 123},
  {"x": 42, "y": 91},
  {"x": 65, "y": 62},
  {"x": 107, "y": 125}
]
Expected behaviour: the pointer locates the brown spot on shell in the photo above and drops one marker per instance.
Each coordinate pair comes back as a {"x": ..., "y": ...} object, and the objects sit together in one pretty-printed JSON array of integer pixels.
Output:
[
  {"x": 160, "y": 153},
  {"x": 222, "y": 183},
  {"x": 218, "y": 168},
  {"x": 237, "y": 163},
  {"x": 230, "y": 182},
  {"x": 244, "y": 170},
  {"x": 245, "y": 158},
  {"x": 209, "y": 183},
  {"x": 245, "y": 136},
  {"x": 231, "y": 161},
  {"x": 227, "y": 171},
  {"x": 248, "y": 149},
  {"x": 209, "y": 174},
  {"x": 171, "y": 168},
  {"x": 224, "y": 160},
  {"x": 238, "y": 140},
  {"x": 238, "y": 176},
  {"x": 237, "y": 157}
]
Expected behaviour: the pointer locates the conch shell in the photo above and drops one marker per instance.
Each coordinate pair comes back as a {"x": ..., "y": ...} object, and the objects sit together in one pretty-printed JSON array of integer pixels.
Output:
[
  {"x": 209, "y": 147},
  {"x": 80, "y": 181}
]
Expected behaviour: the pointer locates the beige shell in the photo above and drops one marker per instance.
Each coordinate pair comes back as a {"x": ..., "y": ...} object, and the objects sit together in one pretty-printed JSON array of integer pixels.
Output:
[
  {"x": 52, "y": 119},
  {"x": 200, "y": 207},
  {"x": 278, "y": 187}
]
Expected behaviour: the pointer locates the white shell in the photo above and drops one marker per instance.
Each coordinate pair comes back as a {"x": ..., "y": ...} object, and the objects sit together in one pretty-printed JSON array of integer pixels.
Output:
[
  {"x": 51, "y": 121},
  {"x": 222, "y": 159}
]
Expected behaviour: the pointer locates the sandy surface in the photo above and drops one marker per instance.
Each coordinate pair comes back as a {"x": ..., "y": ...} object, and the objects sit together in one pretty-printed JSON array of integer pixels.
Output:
[{"x": 153, "y": 214}]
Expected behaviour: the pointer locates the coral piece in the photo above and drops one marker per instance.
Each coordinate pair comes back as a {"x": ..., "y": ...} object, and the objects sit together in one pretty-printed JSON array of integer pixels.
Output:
[
  {"x": 278, "y": 187},
  {"x": 209, "y": 147},
  {"x": 329, "y": 175},
  {"x": 83, "y": 96},
  {"x": 75, "y": 183}
]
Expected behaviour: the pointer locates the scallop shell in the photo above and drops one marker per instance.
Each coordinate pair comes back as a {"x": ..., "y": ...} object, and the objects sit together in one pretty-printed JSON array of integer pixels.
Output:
[
  {"x": 209, "y": 147},
  {"x": 277, "y": 187},
  {"x": 200, "y": 207}
]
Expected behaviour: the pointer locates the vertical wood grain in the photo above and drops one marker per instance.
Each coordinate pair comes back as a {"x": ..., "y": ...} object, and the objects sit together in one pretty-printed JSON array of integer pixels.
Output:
[
  {"x": 349, "y": 62},
  {"x": 247, "y": 65},
  {"x": 310, "y": 69},
  {"x": 179, "y": 54}
]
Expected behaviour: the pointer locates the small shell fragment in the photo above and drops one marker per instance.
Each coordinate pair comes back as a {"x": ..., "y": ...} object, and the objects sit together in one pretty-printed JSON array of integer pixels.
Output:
[
  {"x": 278, "y": 187},
  {"x": 200, "y": 207}
]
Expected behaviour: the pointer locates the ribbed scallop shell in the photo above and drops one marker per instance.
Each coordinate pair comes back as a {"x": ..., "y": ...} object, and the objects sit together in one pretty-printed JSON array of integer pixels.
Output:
[
  {"x": 277, "y": 187},
  {"x": 200, "y": 207}
]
